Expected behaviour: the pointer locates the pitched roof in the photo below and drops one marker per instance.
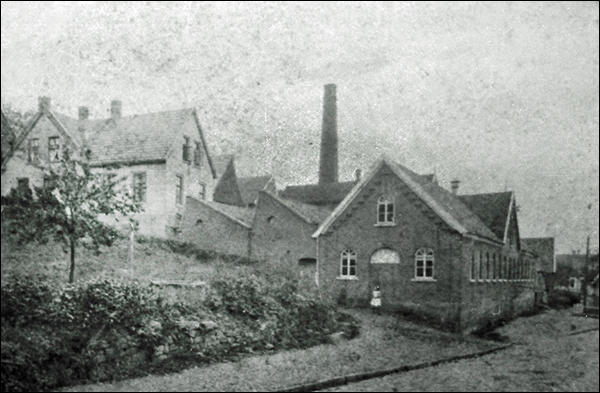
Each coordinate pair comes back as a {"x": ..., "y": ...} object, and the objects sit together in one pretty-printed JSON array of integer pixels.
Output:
[
  {"x": 240, "y": 215},
  {"x": 221, "y": 162},
  {"x": 312, "y": 214},
  {"x": 129, "y": 139},
  {"x": 493, "y": 209},
  {"x": 250, "y": 186},
  {"x": 318, "y": 194},
  {"x": 444, "y": 203},
  {"x": 539, "y": 245}
]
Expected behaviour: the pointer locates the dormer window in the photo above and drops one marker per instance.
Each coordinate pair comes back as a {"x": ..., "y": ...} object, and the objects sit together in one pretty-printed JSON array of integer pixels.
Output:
[
  {"x": 34, "y": 150},
  {"x": 186, "y": 149},
  {"x": 385, "y": 210},
  {"x": 53, "y": 148}
]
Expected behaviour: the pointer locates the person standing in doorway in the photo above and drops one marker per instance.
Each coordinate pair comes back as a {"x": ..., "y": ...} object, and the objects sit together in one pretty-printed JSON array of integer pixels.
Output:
[{"x": 376, "y": 300}]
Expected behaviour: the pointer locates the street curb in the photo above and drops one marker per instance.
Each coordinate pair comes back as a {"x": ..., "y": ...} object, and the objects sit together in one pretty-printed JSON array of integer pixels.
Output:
[
  {"x": 338, "y": 381},
  {"x": 582, "y": 331}
]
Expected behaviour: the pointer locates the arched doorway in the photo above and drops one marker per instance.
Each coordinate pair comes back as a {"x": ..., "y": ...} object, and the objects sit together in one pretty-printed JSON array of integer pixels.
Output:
[{"x": 385, "y": 272}]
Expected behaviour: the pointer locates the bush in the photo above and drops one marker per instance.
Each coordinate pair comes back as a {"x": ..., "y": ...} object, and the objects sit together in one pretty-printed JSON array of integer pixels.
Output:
[
  {"x": 560, "y": 298},
  {"x": 63, "y": 335}
]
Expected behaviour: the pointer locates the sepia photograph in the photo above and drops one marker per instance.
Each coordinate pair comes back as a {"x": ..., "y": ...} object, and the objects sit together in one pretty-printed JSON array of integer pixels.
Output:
[{"x": 300, "y": 196}]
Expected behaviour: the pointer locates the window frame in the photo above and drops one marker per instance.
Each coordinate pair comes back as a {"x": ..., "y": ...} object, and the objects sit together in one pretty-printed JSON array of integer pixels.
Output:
[
  {"x": 34, "y": 150},
  {"x": 186, "y": 149},
  {"x": 348, "y": 261},
  {"x": 424, "y": 256},
  {"x": 179, "y": 190},
  {"x": 53, "y": 148},
  {"x": 197, "y": 154},
  {"x": 136, "y": 186},
  {"x": 387, "y": 202},
  {"x": 202, "y": 193}
]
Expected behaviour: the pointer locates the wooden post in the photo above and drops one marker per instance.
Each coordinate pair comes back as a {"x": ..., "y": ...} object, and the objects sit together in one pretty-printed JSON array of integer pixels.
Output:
[
  {"x": 131, "y": 241},
  {"x": 585, "y": 273}
]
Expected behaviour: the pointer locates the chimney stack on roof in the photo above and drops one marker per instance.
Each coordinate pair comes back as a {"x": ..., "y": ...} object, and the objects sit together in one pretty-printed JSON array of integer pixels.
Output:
[
  {"x": 44, "y": 104},
  {"x": 454, "y": 184},
  {"x": 115, "y": 109},
  {"x": 328, "y": 164},
  {"x": 84, "y": 113}
]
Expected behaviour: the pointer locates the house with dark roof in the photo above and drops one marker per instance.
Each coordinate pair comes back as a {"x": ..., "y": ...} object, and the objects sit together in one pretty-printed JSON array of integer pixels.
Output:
[
  {"x": 163, "y": 156},
  {"x": 454, "y": 258},
  {"x": 226, "y": 189}
]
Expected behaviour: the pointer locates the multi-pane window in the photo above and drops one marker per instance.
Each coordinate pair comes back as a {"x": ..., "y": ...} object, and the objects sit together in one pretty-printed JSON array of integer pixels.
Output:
[
  {"x": 348, "y": 264},
  {"x": 424, "y": 263},
  {"x": 34, "y": 150},
  {"x": 385, "y": 209},
  {"x": 202, "y": 193},
  {"x": 139, "y": 187},
  {"x": 186, "y": 149},
  {"x": 481, "y": 276},
  {"x": 198, "y": 154},
  {"x": 179, "y": 190},
  {"x": 53, "y": 148}
]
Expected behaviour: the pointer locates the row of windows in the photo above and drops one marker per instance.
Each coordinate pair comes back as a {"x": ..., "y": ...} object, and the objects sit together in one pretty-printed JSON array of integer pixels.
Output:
[
  {"x": 53, "y": 149},
  {"x": 493, "y": 267},
  {"x": 139, "y": 188},
  {"x": 187, "y": 147},
  {"x": 424, "y": 263}
]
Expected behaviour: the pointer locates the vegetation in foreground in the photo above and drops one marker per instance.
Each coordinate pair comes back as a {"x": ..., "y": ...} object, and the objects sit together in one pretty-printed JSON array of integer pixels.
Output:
[{"x": 107, "y": 329}]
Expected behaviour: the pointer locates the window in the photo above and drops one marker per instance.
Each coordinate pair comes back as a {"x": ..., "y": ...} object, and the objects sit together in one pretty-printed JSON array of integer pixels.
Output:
[
  {"x": 179, "y": 190},
  {"x": 53, "y": 148},
  {"x": 473, "y": 275},
  {"x": 488, "y": 273},
  {"x": 34, "y": 150},
  {"x": 348, "y": 264},
  {"x": 385, "y": 210},
  {"x": 505, "y": 269},
  {"x": 202, "y": 193},
  {"x": 481, "y": 265},
  {"x": 198, "y": 155},
  {"x": 49, "y": 182},
  {"x": 495, "y": 269},
  {"x": 139, "y": 187},
  {"x": 424, "y": 263},
  {"x": 23, "y": 183},
  {"x": 186, "y": 149}
]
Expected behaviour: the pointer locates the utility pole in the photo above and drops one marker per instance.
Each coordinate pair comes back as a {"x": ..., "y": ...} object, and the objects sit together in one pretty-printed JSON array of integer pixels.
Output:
[{"x": 585, "y": 274}]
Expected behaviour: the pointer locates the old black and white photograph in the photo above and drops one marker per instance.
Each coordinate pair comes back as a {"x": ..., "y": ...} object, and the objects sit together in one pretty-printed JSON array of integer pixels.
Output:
[{"x": 297, "y": 196}]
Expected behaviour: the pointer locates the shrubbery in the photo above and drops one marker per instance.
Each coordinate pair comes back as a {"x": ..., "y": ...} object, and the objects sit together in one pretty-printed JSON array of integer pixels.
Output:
[{"x": 55, "y": 336}]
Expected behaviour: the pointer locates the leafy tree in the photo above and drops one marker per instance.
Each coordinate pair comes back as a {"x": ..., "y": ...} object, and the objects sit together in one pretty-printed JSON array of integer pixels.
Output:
[{"x": 74, "y": 204}]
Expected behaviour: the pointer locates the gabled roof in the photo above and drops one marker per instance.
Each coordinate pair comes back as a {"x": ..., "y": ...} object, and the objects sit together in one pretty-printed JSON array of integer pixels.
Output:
[
  {"x": 250, "y": 186},
  {"x": 227, "y": 190},
  {"x": 240, "y": 215},
  {"x": 311, "y": 214},
  {"x": 444, "y": 203},
  {"x": 61, "y": 122},
  {"x": 318, "y": 194},
  {"x": 126, "y": 140},
  {"x": 221, "y": 162},
  {"x": 493, "y": 209}
]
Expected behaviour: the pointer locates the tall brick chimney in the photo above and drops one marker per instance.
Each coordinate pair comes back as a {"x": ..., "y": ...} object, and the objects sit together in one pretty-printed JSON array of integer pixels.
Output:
[
  {"x": 328, "y": 165},
  {"x": 115, "y": 109},
  {"x": 44, "y": 104}
]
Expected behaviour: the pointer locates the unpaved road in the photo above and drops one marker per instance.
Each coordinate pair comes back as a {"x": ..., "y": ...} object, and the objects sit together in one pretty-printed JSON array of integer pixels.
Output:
[{"x": 549, "y": 362}]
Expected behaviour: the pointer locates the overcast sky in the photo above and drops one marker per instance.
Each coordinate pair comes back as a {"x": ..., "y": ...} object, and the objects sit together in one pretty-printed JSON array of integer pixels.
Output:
[{"x": 503, "y": 96}]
